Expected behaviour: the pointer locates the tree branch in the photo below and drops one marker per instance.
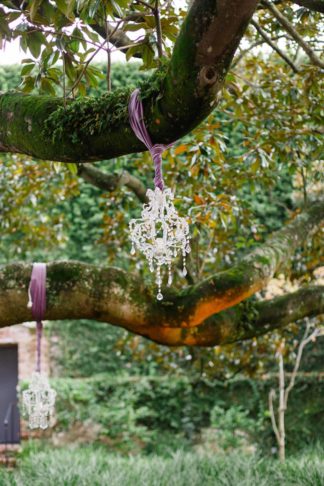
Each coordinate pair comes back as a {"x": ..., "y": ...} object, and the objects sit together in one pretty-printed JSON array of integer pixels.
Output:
[
  {"x": 294, "y": 34},
  {"x": 315, "y": 5},
  {"x": 175, "y": 101},
  {"x": 110, "y": 182},
  {"x": 272, "y": 396},
  {"x": 80, "y": 291},
  {"x": 233, "y": 325},
  {"x": 274, "y": 46},
  {"x": 305, "y": 340},
  {"x": 117, "y": 38},
  {"x": 158, "y": 27}
]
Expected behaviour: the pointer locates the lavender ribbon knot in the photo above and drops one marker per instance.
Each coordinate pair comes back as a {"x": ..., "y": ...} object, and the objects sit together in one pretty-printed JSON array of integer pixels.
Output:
[
  {"x": 37, "y": 296},
  {"x": 136, "y": 120}
]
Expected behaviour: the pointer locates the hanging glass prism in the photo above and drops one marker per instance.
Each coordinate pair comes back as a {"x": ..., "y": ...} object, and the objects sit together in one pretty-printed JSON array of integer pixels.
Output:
[
  {"x": 38, "y": 402},
  {"x": 160, "y": 234}
]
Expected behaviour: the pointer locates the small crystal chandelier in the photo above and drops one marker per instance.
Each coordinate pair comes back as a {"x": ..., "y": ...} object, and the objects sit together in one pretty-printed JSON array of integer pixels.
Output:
[
  {"x": 160, "y": 234},
  {"x": 39, "y": 399},
  {"x": 39, "y": 402}
]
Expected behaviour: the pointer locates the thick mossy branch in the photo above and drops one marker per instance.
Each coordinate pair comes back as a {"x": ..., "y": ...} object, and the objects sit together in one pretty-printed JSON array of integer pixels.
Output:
[
  {"x": 86, "y": 129},
  {"x": 244, "y": 321},
  {"x": 85, "y": 117},
  {"x": 176, "y": 98},
  {"x": 251, "y": 273},
  {"x": 77, "y": 290}
]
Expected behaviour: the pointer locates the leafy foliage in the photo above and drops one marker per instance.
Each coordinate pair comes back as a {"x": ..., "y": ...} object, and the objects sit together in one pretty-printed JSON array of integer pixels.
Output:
[
  {"x": 75, "y": 32},
  {"x": 150, "y": 414}
]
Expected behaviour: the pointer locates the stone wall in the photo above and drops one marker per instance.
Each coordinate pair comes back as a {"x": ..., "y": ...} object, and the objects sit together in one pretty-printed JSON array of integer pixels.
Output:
[{"x": 24, "y": 336}]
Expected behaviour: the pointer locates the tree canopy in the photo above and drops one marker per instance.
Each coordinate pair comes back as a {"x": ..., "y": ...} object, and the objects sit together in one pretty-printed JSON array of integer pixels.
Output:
[{"x": 258, "y": 151}]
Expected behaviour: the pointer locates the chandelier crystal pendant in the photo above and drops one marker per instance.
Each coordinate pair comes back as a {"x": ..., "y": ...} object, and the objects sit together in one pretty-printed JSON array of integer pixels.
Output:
[
  {"x": 160, "y": 234},
  {"x": 39, "y": 399}
]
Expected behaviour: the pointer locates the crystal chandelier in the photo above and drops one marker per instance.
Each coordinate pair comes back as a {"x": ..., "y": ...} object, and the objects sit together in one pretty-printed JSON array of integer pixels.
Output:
[
  {"x": 39, "y": 401},
  {"x": 160, "y": 234}
]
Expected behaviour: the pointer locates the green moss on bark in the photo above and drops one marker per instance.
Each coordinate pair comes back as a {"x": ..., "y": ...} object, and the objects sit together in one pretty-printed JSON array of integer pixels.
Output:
[{"x": 88, "y": 116}]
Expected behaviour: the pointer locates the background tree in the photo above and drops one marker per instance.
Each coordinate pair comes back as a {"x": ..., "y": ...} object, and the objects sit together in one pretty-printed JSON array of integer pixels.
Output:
[{"x": 278, "y": 421}]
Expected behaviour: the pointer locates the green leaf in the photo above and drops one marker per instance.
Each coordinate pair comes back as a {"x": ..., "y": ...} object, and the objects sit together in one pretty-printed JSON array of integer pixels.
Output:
[
  {"x": 23, "y": 42},
  {"x": 92, "y": 35},
  {"x": 73, "y": 168},
  {"x": 69, "y": 68},
  {"x": 66, "y": 7},
  {"x": 35, "y": 41},
  {"x": 47, "y": 87},
  {"x": 134, "y": 27},
  {"x": 93, "y": 8},
  {"x": 132, "y": 50},
  {"x": 57, "y": 166},
  {"x": 116, "y": 8},
  {"x": 28, "y": 84},
  {"x": 34, "y": 6},
  {"x": 53, "y": 58},
  {"x": 54, "y": 74},
  {"x": 147, "y": 55},
  {"x": 26, "y": 69}
]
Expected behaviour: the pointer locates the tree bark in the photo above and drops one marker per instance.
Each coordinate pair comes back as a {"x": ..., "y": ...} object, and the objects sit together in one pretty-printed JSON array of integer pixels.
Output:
[
  {"x": 281, "y": 410},
  {"x": 175, "y": 101},
  {"x": 315, "y": 5}
]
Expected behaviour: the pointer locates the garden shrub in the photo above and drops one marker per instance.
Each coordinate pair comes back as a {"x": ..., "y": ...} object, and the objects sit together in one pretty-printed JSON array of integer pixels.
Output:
[{"x": 160, "y": 413}]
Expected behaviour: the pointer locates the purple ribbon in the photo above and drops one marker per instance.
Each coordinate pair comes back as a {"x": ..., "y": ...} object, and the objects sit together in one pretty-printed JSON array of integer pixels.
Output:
[
  {"x": 136, "y": 120},
  {"x": 37, "y": 301}
]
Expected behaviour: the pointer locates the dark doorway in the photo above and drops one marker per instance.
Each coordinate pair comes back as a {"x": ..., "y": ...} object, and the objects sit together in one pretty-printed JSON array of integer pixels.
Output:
[{"x": 9, "y": 413}]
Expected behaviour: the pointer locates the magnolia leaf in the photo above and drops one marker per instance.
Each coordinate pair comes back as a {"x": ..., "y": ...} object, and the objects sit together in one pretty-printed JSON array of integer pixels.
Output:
[
  {"x": 73, "y": 168},
  {"x": 27, "y": 69},
  {"x": 180, "y": 149},
  {"x": 35, "y": 41},
  {"x": 47, "y": 87},
  {"x": 34, "y": 6}
]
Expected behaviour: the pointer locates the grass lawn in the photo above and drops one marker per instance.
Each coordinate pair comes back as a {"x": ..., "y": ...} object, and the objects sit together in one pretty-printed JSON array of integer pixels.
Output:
[{"x": 90, "y": 466}]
